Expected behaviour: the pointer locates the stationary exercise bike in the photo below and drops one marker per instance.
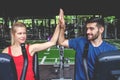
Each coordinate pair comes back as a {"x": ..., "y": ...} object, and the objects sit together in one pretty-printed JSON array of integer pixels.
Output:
[{"x": 8, "y": 69}]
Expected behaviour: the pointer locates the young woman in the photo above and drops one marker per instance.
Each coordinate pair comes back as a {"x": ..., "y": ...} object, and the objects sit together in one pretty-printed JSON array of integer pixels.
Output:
[{"x": 18, "y": 36}]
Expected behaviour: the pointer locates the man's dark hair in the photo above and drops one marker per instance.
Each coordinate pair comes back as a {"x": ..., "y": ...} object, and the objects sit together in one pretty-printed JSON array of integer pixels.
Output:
[{"x": 99, "y": 21}]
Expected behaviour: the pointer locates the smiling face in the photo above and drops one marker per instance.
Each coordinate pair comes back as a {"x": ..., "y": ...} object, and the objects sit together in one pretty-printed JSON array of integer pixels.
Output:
[
  {"x": 94, "y": 32},
  {"x": 20, "y": 35}
]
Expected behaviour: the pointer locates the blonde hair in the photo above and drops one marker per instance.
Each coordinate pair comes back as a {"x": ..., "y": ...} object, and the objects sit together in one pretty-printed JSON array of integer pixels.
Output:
[{"x": 13, "y": 30}]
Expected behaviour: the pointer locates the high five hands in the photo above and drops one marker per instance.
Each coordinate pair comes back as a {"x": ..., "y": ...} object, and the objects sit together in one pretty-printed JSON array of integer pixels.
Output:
[{"x": 61, "y": 19}]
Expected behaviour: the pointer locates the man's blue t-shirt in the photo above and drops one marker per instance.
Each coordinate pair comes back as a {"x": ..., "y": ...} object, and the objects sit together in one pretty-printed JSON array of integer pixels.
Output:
[{"x": 78, "y": 45}]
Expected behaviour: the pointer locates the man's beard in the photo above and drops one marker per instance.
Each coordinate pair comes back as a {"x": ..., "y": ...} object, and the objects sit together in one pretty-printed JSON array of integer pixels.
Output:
[{"x": 94, "y": 37}]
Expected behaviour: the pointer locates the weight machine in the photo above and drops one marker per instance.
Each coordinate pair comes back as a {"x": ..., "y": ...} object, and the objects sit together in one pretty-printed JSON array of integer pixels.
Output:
[{"x": 60, "y": 67}]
